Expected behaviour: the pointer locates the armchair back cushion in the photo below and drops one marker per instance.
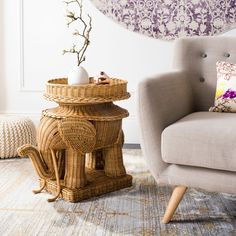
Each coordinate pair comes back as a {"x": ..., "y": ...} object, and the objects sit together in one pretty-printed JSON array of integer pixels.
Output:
[{"x": 198, "y": 56}]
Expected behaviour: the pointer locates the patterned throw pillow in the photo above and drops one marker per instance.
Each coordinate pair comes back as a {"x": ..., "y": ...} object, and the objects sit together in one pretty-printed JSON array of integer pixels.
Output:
[{"x": 225, "y": 98}]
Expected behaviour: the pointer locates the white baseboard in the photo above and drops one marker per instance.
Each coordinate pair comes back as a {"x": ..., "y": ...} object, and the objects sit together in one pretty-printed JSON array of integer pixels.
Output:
[{"x": 131, "y": 130}]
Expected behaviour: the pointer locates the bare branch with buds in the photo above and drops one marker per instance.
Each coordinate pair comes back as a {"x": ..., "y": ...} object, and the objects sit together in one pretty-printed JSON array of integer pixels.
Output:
[{"x": 83, "y": 34}]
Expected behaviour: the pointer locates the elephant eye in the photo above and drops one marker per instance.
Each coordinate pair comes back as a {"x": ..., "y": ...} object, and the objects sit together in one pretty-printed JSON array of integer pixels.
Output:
[{"x": 55, "y": 133}]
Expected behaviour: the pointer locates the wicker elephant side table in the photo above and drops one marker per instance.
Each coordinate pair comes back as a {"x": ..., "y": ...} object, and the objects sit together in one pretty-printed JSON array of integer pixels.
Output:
[{"x": 79, "y": 152}]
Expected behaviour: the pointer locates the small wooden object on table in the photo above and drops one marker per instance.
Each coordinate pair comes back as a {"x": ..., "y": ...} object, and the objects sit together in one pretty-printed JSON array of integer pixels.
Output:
[{"x": 79, "y": 153}]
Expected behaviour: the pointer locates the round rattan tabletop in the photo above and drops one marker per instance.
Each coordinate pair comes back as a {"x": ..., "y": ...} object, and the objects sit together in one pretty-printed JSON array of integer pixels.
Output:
[{"x": 59, "y": 91}]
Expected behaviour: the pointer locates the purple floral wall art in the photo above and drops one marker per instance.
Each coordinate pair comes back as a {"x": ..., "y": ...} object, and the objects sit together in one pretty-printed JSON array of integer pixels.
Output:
[{"x": 169, "y": 19}]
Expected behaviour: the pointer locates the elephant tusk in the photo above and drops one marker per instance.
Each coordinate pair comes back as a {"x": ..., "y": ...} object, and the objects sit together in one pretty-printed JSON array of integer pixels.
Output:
[
  {"x": 57, "y": 177},
  {"x": 41, "y": 189}
]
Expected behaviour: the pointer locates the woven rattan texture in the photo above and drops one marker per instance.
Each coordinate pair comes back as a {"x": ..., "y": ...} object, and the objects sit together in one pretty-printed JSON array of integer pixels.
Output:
[
  {"x": 78, "y": 134},
  {"x": 59, "y": 91},
  {"x": 84, "y": 130},
  {"x": 98, "y": 185},
  {"x": 98, "y": 112}
]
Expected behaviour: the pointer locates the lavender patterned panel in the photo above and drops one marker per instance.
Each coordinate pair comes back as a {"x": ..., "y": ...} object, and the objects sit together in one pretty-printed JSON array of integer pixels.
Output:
[{"x": 169, "y": 19}]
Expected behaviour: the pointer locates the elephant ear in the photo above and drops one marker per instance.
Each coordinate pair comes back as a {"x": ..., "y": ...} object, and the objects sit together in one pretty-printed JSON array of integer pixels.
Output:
[{"x": 78, "y": 134}]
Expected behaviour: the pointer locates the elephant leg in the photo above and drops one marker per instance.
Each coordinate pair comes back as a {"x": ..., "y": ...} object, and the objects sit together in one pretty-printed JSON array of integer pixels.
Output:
[
  {"x": 95, "y": 160},
  {"x": 113, "y": 156},
  {"x": 75, "y": 169},
  {"x": 60, "y": 154}
]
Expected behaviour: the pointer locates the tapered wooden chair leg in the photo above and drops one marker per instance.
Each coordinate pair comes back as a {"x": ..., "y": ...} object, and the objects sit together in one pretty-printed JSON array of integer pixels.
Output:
[{"x": 175, "y": 199}]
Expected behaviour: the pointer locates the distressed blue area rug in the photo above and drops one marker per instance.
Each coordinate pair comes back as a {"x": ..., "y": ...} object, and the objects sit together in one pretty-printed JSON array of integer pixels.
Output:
[
  {"x": 135, "y": 211},
  {"x": 170, "y": 19}
]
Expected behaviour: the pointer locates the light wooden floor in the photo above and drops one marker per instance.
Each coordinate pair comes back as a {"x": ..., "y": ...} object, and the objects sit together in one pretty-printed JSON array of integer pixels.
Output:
[{"x": 135, "y": 211}]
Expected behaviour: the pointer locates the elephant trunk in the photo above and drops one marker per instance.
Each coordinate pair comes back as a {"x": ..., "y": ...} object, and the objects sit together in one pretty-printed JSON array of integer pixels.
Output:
[{"x": 37, "y": 160}]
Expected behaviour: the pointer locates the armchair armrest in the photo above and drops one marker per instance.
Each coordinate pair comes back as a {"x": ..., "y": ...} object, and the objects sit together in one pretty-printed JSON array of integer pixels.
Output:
[{"x": 161, "y": 101}]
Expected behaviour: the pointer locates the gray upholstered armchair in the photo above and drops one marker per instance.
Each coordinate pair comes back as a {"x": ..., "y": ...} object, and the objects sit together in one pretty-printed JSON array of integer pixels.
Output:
[{"x": 183, "y": 143}]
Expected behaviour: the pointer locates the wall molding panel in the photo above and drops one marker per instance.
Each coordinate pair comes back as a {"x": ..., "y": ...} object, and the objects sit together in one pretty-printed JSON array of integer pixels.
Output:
[{"x": 23, "y": 87}]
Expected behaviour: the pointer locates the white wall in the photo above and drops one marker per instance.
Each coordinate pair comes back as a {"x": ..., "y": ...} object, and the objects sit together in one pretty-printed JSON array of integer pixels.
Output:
[{"x": 32, "y": 37}]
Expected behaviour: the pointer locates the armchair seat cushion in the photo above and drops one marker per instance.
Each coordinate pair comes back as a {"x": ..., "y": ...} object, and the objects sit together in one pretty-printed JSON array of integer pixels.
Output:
[{"x": 202, "y": 139}]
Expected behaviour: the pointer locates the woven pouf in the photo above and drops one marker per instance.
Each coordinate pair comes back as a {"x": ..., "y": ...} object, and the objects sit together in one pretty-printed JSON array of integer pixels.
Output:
[{"x": 15, "y": 132}]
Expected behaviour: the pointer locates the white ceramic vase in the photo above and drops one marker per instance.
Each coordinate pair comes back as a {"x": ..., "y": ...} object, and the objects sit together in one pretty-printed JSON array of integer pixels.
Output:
[{"x": 78, "y": 75}]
